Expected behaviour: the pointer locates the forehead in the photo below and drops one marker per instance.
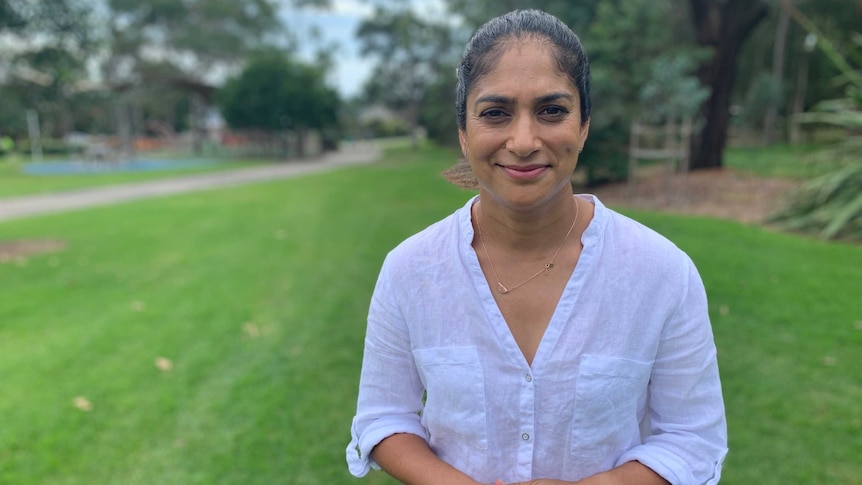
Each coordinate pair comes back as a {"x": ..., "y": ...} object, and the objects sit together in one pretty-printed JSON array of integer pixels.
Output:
[{"x": 523, "y": 66}]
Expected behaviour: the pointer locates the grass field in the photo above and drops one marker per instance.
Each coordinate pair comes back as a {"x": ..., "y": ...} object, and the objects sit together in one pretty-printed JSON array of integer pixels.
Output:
[
  {"x": 787, "y": 161},
  {"x": 216, "y": 338}
]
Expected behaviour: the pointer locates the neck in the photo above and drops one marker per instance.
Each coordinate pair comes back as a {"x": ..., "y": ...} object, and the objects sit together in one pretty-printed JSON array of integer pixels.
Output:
[{"x": 530, "y": 234}]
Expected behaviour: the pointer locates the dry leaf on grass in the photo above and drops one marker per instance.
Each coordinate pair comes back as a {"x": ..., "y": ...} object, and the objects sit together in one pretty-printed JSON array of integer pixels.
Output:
[
  {"x": 82, "y": 403},
  {"x": 251, "y": 329},
  {"x": 164, "y": 364}
]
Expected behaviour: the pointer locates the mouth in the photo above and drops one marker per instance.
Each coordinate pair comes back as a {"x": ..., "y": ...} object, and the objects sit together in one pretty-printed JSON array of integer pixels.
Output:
[{"x": 524, "y": 172}]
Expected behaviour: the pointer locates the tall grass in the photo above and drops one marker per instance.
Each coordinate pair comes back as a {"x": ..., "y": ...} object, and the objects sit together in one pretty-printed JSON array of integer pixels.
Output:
[{"x": 217, "y": 337}]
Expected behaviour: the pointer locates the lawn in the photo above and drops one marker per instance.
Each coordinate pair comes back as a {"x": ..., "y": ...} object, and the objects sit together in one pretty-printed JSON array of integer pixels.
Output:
[
  {"x": 216, "y": 337},
  {"x": 786, "y": 161}
]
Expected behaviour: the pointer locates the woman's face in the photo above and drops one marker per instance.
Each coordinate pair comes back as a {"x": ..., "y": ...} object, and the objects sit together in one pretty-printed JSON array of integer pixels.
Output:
[{"x": 524, "y": 131}]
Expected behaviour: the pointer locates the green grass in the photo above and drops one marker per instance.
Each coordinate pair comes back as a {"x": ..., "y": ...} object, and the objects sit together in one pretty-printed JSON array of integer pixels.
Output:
[
  {"x": 14, "y": 182},
  {"x": 786, "y": 161},
  {"x": 788, "y": 325},
  {"x": 258, "y": 296}
]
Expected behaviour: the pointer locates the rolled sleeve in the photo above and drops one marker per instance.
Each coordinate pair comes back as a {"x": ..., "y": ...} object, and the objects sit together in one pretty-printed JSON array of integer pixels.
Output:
[
  {"x": 359, "y": 459},
  {"x": 688, "y": 439},
  {"x": 390, "y": 391}
]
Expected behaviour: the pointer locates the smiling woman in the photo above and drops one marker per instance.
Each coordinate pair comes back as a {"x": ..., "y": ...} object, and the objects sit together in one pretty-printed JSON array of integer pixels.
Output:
[
  {"x": 536, "y": 336},
  {"x": 523, "y": 128}
]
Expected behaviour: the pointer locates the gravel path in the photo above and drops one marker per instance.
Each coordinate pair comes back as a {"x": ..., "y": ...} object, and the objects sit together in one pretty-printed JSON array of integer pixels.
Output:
[{"x": 33, "y": 205}]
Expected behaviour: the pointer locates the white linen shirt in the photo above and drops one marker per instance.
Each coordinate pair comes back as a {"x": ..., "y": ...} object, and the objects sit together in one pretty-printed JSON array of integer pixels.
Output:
[{"x": 626, "y": 369}]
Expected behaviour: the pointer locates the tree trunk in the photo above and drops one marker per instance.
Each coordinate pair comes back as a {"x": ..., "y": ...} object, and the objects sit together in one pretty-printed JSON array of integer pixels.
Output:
[
  {"x": 724, "y": 28},
  {"x": 778, "y": 57},
  {"x": 198, "y": 109}
]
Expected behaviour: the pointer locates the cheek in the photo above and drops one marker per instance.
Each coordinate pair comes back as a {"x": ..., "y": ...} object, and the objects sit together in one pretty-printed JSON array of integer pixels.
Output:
[{"x": 481, "y": 142}]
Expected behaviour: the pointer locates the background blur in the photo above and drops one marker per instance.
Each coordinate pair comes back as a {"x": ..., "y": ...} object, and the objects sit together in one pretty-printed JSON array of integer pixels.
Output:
[{"x": 302, "y": 75}]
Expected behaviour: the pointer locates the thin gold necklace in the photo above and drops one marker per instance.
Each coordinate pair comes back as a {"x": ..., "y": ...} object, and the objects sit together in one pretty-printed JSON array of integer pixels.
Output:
[{"x": 550, "y": 264}]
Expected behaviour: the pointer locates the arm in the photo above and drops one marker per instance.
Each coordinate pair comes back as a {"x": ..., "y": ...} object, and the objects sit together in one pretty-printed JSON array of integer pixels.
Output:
[
  {"x": 688, "y": 433},
  {"x": 409, "y": 459},
  {"x": 629, "y": 473},
  {"x": 387, "y": 430}
]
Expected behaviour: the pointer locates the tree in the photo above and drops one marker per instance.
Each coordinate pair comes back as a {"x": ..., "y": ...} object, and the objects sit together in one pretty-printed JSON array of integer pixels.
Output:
[
  {"x": 196, "y": 41},
  {"x": 577, "y": 15},
  {"x": 45, "y": 68},
  {"x": 641, "y": 56},
  {"x": 196, "y": 37},
  {"x": 722, "y": 26},
  {"x": 275, "y": 93},
  {"x": 10, "y": 18},
  {"x": 410, "y": 56}
]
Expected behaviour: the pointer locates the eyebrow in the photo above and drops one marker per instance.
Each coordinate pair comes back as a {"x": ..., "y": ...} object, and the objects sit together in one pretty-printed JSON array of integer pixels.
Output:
[{"x": 547, "y": 98}]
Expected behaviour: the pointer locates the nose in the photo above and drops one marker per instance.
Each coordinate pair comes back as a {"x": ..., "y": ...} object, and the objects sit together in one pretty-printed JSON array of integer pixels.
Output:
[{"x": 523, "y": 138}]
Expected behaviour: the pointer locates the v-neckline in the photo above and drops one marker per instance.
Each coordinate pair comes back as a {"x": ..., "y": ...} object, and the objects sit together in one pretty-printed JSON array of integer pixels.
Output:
[{"x": 562, "y": 309}]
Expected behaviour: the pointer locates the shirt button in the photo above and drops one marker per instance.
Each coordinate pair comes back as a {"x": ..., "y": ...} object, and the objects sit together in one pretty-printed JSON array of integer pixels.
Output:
[
  {"x": 525, "y": 437},
  {"x": 528, "y": 378}
]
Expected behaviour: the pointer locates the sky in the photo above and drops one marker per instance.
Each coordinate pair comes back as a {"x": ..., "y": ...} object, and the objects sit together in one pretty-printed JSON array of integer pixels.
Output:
[{"x": 339, "y": 24}]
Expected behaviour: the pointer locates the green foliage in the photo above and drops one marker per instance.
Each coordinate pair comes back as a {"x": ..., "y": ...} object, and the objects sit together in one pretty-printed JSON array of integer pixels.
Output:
[
  {"x": 48, "y": 46},
  {"x": 672, "y": 92},
  {"x": 412, "y": 54},
  {"x": 276, "y": 93},
  {"x": 576, "y": 15},
  {"x": 762, "y": 95},
  {"x": 831, "y": 205},
  {"x": 624, "y": 88},
  {"x": 10, "y": 18},
  {"x": 438, "y": 112},
  {"x": 52, "y": 146},
  {"x": 193, "y": 36}
]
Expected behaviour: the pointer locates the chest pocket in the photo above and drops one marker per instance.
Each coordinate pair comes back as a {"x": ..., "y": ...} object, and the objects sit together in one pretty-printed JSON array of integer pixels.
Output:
[
  {"x": 454, "y": 412},
  {"x": 607, "y": 394}
]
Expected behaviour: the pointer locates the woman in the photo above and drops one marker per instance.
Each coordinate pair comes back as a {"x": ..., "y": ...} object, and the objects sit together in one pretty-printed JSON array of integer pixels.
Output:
[{"x": 536, "y": 336}]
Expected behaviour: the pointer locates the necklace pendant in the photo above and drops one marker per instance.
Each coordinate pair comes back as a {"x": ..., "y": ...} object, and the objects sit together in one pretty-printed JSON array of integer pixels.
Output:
[
  {"x": 502, "y": 289},
  {"x": 548, "y": 267}
]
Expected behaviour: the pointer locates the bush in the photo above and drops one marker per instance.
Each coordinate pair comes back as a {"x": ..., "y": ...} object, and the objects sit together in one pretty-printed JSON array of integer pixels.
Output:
[
  {"x": 52, "y": 146},
  {"x": 829, "y": 205}
]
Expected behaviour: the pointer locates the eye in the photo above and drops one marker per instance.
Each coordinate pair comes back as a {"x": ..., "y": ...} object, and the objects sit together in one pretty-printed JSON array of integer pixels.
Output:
[
  {"x": 553, "y": 112},
  {"x": 493, "y": 115}
]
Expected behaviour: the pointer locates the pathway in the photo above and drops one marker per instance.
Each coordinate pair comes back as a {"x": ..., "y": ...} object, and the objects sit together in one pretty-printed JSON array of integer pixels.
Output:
[{"x": 33, "y": 205}]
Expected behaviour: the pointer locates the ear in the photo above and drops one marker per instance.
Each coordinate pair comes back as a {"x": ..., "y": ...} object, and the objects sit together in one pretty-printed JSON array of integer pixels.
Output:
[
  {"x": 462, "y": 139},
  {"x": 584, "y": 133}
]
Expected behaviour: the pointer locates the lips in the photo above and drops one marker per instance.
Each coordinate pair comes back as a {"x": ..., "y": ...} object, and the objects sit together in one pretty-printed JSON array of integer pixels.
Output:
[{"x": 523, "y": 172}]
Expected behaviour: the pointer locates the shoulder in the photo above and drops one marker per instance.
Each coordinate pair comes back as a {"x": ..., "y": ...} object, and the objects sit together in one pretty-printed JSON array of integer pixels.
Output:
[
  {"x": 434, "y": 243},
  {"x": 632, "y": 243}
]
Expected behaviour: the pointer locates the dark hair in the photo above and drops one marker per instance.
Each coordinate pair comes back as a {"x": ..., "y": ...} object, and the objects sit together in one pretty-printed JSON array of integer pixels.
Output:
[{"x": 484, "y": 50}]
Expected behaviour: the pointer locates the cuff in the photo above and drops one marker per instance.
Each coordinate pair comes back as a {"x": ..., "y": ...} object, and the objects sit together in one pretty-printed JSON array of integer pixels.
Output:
[
  {"x": 672, "y": 468},
  {"x": 359, "y": 460}
]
